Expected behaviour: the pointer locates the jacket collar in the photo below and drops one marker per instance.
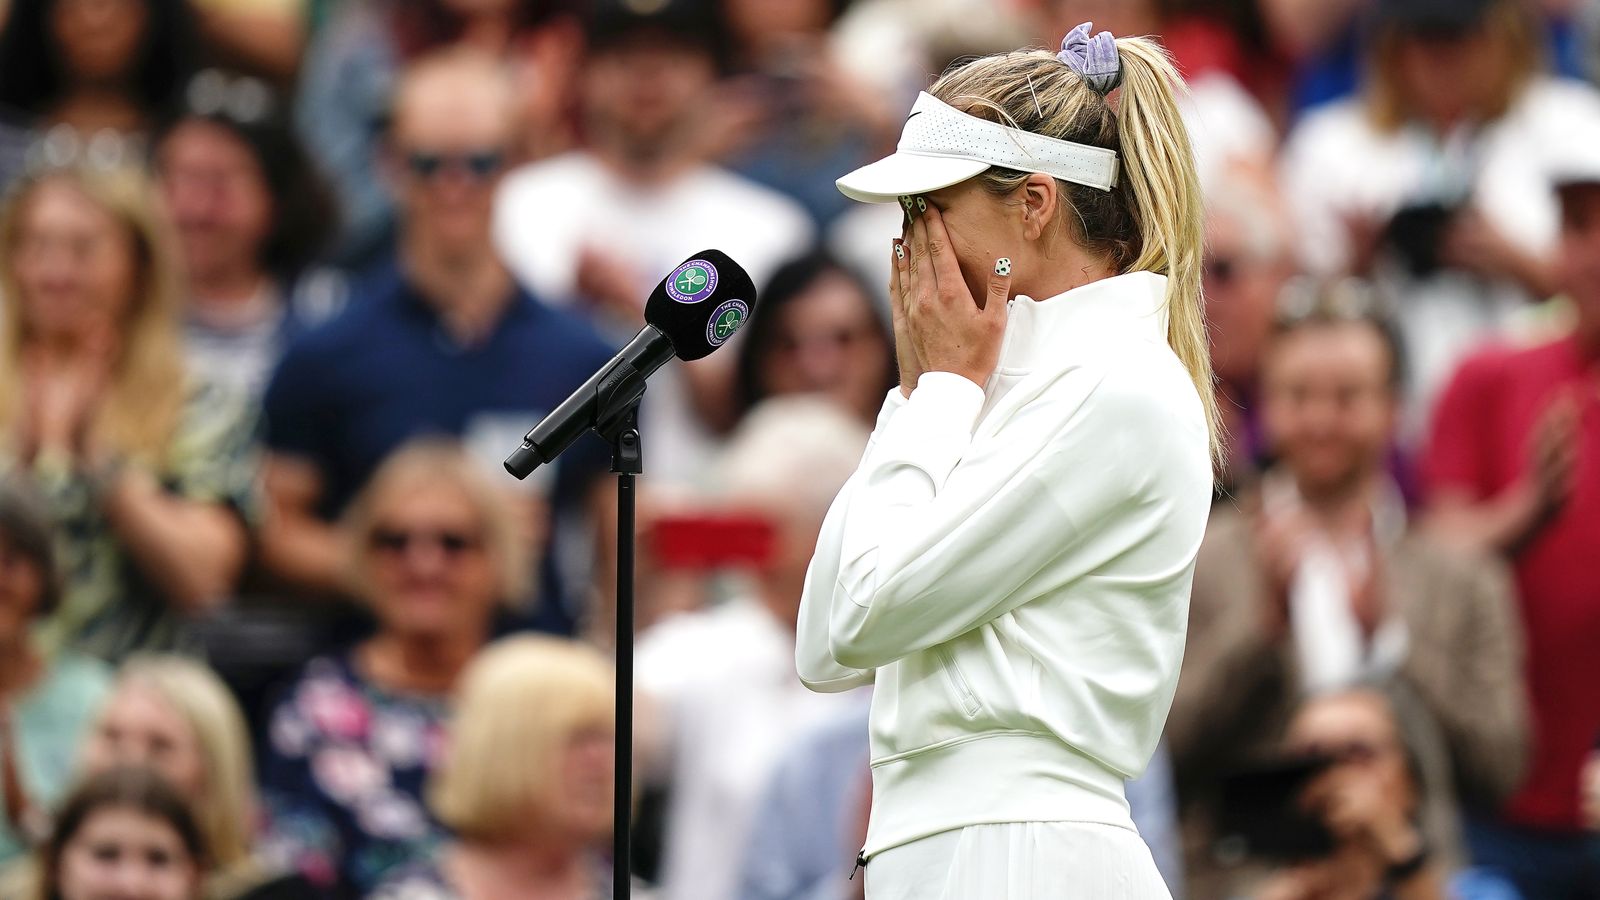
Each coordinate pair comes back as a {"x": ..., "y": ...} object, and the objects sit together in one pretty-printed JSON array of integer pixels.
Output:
[{"x": 1127, "y": 307}]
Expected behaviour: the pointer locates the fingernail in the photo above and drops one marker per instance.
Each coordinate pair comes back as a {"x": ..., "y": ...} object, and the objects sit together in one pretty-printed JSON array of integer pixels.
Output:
[
  {"x": 899, "y": 249},
  {"x": 905, "y": 201},
  {"x": 922, "y": 205},
  {"x": 1002, "y": 266}
]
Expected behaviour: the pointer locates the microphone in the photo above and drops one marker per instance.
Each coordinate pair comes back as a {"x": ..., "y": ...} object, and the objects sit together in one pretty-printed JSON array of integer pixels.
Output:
[{"x": 693, "y": 311}]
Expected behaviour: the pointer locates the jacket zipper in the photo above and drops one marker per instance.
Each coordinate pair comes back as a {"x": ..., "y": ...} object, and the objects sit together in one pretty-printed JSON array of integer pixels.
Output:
[
  {"x": 969, "y": 701},
  {"x": 861, "y": 860}
]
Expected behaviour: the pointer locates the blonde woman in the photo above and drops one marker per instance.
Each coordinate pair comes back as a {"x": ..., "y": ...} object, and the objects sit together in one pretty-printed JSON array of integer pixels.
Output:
[
  {"x": 174, "y": 715},
  {"x": 146, "y": 478},
  {"x": 526, "y": 786},
  {"x": 1011, "y": 562},
  {"x": 436, "y": 551}
]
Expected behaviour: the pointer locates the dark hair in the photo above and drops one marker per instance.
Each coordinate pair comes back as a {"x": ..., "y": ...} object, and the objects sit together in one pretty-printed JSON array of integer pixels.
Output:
[
  {"x": 32, "y": 76},
  {"x": 419, "y": 26},
  {"x": 791, "y": 282},
  {"x": 28, "y": 529},
  {"x": 1306, "y": 303},
  {"x": 305, "y": 213},
  {"x": 124, "y": 787}
]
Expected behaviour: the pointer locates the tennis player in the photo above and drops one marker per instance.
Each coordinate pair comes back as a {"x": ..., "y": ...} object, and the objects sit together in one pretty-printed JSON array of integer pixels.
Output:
[{"x": 1010, "y": 564}]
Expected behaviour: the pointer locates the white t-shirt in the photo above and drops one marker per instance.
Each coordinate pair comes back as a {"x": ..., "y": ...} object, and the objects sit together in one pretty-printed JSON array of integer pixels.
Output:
[
  {"x": 726, "y": 682},
  {"x": 548, "y": 212}
]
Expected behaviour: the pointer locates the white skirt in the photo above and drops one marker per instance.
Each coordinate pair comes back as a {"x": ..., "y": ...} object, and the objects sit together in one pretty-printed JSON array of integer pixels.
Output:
[{"x": 1019, "y": 861}]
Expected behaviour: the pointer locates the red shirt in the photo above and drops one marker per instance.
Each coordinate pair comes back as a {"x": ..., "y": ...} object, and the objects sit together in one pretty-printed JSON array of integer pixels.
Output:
[{"x": 1481, "y": 442}]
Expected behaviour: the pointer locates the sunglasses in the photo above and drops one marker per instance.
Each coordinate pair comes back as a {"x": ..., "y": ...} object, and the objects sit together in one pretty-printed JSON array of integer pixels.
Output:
[
  {"x": 1220, "y": 269},
  {"x": 398, "y": 542},
  {"x": 478, "y": 165}
]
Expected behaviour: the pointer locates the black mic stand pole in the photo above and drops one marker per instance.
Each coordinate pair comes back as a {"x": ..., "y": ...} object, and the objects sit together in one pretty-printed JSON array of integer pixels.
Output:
[{"x": 627, "y": 461}]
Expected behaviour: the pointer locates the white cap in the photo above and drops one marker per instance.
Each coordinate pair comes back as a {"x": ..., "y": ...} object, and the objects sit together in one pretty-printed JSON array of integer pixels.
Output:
[
  {"x": 941, "y": 146},
  {"x": 1573, "y": 157}
]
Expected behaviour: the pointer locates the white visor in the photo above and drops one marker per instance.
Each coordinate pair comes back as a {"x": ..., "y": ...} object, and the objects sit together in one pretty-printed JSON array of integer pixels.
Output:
[{"x": 941, "y": 146}]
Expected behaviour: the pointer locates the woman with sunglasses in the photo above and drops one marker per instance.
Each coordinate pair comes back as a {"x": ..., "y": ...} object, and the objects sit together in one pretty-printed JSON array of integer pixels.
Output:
[
  {"x": 1010, "y": 564},
  {"x": 434, "y": 552}
]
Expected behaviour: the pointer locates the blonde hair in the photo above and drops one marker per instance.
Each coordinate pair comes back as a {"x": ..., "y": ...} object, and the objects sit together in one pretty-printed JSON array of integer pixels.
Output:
[
  {"x": 227, "y": 809},
  {"x": 143, "y": 402},
  {"x": 520, "y": 702},
  {"x": 1506, "y": 20},
  {"x": 1153, "y": 219},
  {"x": 428, "y": 462}
]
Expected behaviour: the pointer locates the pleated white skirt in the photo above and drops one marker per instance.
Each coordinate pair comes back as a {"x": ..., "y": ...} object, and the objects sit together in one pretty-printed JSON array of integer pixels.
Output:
[{"x": 1019, "y": 861}]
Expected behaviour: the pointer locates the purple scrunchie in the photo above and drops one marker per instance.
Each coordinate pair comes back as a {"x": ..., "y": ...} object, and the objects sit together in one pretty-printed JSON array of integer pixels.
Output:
[{"x": 1092, "y": 57}]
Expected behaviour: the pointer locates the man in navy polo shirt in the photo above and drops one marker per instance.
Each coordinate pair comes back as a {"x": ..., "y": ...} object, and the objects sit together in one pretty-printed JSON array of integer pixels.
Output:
[{"x": 441, "y": 341}]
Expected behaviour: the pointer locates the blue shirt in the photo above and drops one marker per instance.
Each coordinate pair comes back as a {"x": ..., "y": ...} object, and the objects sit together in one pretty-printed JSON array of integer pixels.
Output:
[{"x": 386, "y": 370}]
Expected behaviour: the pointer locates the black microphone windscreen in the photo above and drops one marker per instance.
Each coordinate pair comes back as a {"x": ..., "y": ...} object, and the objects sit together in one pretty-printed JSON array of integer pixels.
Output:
[{"x": 701, "y": 303}]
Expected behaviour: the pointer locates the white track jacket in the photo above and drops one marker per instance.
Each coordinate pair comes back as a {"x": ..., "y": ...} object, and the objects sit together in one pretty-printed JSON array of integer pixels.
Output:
[{"x": 1010, "y": 565}]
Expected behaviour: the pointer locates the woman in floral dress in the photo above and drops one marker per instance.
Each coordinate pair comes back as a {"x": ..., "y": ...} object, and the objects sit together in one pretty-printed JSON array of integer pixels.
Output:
[{"x": 434, "y": 551}]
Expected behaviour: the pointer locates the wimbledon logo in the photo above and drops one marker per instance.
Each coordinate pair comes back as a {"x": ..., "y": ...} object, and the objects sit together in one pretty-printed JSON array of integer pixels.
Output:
[
  {"x": 692, "y": 282},
  {"x": 728, "y": 317}
]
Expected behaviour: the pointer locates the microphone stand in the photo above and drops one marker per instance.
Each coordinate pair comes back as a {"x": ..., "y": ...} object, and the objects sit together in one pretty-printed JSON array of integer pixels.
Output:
[
  {"x": 621, "y": 428},
  {"x": 616, "y": 393}
]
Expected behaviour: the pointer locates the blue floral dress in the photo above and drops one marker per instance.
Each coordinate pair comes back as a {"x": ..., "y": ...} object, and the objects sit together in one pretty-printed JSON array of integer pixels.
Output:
[{"x": 342, "y": 777}]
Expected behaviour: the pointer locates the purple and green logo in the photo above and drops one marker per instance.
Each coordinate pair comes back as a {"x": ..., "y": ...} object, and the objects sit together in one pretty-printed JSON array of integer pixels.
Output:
[
  {"x": 692, "y": 282},
  {"x": 728, "y": 317}
]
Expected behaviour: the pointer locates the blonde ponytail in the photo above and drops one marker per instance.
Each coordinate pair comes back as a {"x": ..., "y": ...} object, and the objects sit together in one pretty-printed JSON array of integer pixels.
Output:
[
  {"x": 1153, "y": 219},
  {"x": 1158, "y": 167}
]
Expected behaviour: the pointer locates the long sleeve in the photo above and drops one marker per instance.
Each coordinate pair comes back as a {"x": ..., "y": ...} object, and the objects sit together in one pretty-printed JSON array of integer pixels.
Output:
[
  {"x": 813, "y": 657},
  {"x": 942, "y": 533},
  {"x": 1471, "y": 680},
  {"x": 1234, "y": 687}
]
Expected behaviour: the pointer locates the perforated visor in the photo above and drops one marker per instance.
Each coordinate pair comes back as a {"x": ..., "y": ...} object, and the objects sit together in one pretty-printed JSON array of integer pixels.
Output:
[{"x": 941, "y": 146}]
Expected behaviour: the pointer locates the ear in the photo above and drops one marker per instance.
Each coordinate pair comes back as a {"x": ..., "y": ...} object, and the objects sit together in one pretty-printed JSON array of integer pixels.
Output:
[{"x": 1041, "y": 197}]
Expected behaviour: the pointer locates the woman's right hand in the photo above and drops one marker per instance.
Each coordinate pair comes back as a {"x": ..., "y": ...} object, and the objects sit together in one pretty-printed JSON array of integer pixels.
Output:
[
  {"x": 60, "y": 404},
  {"x": 905, "y": 350}
]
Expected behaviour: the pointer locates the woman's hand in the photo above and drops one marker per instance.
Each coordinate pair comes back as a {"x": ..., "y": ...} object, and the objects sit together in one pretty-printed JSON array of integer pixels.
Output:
[
  {"x": 60, "y": 403},
  {"x": 948, "y": 329},
  {"x": 905, "y": 351}
]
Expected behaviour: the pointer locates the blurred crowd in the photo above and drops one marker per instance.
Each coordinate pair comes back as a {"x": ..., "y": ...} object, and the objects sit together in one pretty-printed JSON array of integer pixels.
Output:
[{"x": 282, "y": 281}]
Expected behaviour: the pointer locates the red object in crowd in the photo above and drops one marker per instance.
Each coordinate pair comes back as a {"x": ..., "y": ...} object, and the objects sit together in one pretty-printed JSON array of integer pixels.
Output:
[{"x": 1481, "y": 442}]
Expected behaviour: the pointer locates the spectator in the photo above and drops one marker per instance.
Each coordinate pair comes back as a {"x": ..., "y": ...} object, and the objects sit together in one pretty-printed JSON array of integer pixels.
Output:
[
  {"x": 1326, "y": 585},
  {"x": 352, "y": 69},
  {"x": 641, "y": 197},
  {"x": 811, "y": 818},
  {"x": 252, "y": 214},
  {"x": 527, "y": 785},
  {"x": 819, "y": 332},
  {"x": 723, "y": 679},
  {"x": 146, "y": 475},
  {"x": 1430, "y": 179},
  {"x": 1513, "y": 468},
  {"x": 444, "y": 341},
  {"x": 124, "y": 833},
  {"x": 435, "y": 551},
  {"x": 805, "y": 117},
  {"x": 173, "y": 715},
  {"x": 47, "y": 702},
  {"x": 82, "y": 80},
  {"x": 1249, "y": 261},
  {"x": 1372, "y": 800}
]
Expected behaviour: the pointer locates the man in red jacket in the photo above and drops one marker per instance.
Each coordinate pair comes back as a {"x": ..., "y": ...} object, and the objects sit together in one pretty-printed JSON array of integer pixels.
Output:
[{"x": 1514, "y": 466}]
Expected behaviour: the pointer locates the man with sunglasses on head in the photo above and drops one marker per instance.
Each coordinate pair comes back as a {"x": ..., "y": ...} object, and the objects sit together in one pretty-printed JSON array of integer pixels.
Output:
[
  {"x": 440, "y": 340},
  {"x": 1315, "y": 581}
]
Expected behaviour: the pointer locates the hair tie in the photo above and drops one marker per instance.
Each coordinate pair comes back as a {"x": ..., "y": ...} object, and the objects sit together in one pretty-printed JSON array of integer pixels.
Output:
[{"x": 1094, "y": 58}]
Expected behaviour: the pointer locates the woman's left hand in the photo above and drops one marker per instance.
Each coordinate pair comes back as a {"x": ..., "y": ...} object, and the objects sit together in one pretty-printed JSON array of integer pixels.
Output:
[{"x": 952, "y": 331}]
